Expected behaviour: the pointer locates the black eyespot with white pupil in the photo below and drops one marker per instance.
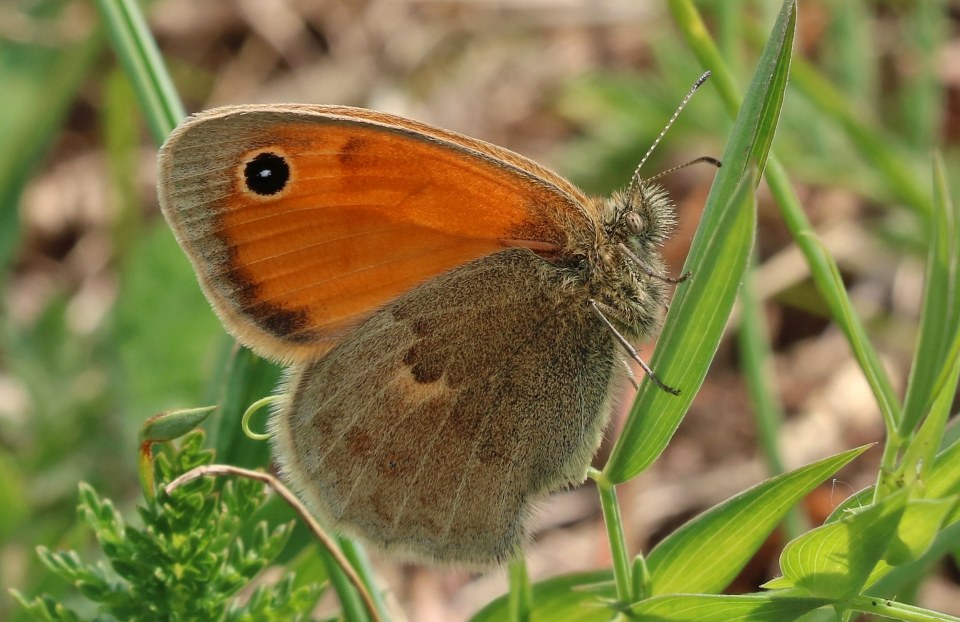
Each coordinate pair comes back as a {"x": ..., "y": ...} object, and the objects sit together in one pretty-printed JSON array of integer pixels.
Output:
[{"x": 267, "y": 173}]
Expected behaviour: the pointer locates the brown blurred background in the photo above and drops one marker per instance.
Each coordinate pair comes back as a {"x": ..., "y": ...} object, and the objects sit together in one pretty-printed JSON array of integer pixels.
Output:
[{"x": 583, "y": 87}]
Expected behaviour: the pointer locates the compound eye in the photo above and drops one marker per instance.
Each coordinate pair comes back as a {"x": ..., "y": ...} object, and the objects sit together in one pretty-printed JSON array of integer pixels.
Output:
[{"x": 634, "y": 223}]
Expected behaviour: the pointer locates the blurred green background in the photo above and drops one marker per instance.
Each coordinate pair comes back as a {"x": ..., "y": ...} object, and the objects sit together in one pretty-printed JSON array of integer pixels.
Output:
[{"x": 102, "y": 323}]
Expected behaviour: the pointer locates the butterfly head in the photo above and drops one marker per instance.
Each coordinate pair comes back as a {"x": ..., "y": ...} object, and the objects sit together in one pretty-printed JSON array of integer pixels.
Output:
[{"x": 620, "y": 262}]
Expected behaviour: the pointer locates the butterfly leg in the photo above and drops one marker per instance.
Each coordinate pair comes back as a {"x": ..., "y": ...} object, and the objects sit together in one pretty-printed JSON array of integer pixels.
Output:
[{"x": 595, "y": 307}]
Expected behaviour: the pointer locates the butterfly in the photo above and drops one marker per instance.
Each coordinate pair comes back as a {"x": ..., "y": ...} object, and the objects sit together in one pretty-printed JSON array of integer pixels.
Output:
[{"x": 454, "y": 315}]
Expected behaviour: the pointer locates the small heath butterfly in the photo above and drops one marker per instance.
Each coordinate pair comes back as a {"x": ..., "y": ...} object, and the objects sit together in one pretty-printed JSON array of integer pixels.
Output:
[{"x": 453, "y": 313}]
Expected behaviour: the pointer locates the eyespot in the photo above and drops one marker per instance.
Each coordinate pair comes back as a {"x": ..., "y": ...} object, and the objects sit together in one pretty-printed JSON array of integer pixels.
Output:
[
  {"x": 634, "y": 222},
  {"x": 267, "y": 173}
]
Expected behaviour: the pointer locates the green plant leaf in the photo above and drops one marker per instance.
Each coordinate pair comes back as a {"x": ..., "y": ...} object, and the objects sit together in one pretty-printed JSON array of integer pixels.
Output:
[
  {"x": 919, "y": 458},
  {"x": 706, "y": 553},
  {"x": 689, "y": 342},
  {"x": 834, "y": 561},
  {"x": 936, "y": 369},
  {"x": 568, "y": 598},
  {"x": 916, "y": 531},
  {"x": 725, "y": 607},
  {"x": 942, "y": 481},
  {"x": 188, "y": 561},
  {"x": 898, "y": 579},
  {"x": 718, "y": 259},
  {"x": 941, "y": 299},
  {"x": 944, "y": 478},
  {"x": 173, "y": 424}
]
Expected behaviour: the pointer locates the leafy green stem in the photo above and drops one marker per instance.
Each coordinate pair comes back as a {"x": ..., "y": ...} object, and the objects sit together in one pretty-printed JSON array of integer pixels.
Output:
[
  {"x": 897, "y": 610},
  {"x": 618, "y": 545},
  {"x": 521, "y": 592},
  {"x": 356, "y": 554}
]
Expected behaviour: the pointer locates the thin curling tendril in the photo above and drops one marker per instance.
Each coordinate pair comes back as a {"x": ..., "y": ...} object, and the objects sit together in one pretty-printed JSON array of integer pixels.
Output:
[{"x": 245, "y": 421}]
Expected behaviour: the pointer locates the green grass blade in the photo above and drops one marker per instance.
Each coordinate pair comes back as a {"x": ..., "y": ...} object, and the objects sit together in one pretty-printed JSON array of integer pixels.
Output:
[
  {"x": 853, "y": 61},
  {"x": 824, "y": 272},
  {"x": 141, "y": 60},
  {"x": 351, "y": 605},
  {"x": 689, "y": 340},
  {"x": 944, "y": 479},
  {"x": 945, "y": 374},
  {"x": 936, "y": 369},
  {"x": 357, "y": 556},
  {"x": 820, "y": 268},
  {"x": 938, "y": 321},
  {"x": 821, "y": 265},
  {"x": 725, "y": 607},
  {"x": 918, "y": 459},
  {"x": 846, "y": 318},
  {"x": 709, "y": 551},
  {"x": 718, "y": 259},
  {"x": 246, "y": 379},
  {"x": 729, "y": 27}
]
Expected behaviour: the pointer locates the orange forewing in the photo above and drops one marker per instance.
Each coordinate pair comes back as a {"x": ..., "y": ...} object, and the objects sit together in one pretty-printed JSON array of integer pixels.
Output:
[{"x": 374, "y": 205}]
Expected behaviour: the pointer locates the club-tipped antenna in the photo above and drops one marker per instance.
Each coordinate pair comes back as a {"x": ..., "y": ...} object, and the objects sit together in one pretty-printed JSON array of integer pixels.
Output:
[
  {"x": 636, "y": 174},
  {"x": 673, "y": 169}
]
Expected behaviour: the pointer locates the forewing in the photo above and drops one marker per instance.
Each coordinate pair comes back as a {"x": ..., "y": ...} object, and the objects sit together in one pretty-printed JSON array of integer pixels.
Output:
[{"x": 374, "y": 205}]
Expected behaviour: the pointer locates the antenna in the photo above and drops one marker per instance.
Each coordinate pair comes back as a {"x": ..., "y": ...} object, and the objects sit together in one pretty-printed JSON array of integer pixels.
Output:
[
  {"x": 674, "y": 169},
  {"x": 696, "y": 85}
]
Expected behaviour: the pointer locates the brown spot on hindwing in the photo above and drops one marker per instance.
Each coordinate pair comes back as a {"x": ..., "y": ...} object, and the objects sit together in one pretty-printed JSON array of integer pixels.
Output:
[
  {"x": 359, "y": 443},
  {"x": 423, "y": 369}
]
